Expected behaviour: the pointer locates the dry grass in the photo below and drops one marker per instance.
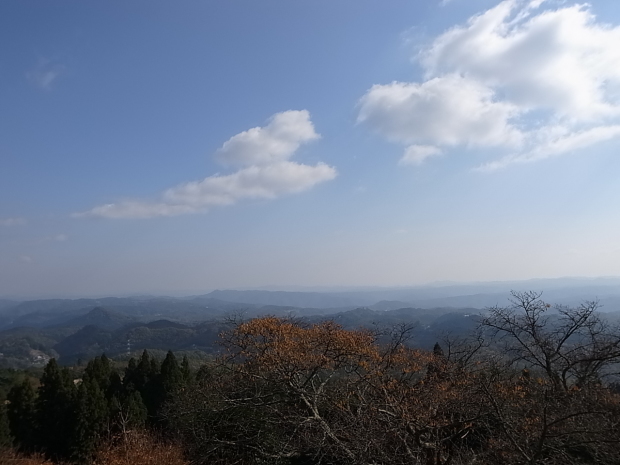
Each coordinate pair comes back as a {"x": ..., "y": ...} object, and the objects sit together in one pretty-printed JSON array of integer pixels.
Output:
[
  {"x": 8, "y": 457},
  {"x": 140, "y": 449},
  {"x": 136, "y": 448}
]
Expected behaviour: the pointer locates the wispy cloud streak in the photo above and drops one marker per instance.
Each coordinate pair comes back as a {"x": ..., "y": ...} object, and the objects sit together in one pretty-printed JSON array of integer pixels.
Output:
[{"x": 265, "y": 172}]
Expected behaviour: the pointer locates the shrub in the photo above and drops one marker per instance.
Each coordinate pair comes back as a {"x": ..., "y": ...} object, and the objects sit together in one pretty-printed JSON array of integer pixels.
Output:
[{"x": 139, "y": 448}]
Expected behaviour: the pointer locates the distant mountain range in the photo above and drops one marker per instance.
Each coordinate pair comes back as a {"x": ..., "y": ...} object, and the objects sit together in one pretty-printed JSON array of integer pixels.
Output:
[
  {"x": 567, "y": 291},
  {"x": 82, "y": 328}
]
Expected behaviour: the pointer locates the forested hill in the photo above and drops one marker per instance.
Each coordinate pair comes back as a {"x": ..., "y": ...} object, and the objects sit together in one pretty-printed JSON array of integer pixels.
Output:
[
  {"x": 31, "y": 332},
  {"x": 527, "y": 383},
  {"x": 106, "y": 331}
]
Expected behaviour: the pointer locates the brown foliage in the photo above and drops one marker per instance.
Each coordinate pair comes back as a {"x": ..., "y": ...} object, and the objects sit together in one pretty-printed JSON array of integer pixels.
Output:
[
  {"x": 538, "y": 423},
  {"x": 285, "y": 392},
  {"x": 134, "y": 448},
  {"x": 288, "y": 393},
  {"x": 321, "y": 393},
  {"x": 140, "y": 448}
]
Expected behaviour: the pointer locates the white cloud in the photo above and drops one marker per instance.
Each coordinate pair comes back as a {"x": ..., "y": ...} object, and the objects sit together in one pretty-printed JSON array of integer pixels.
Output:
[
  {"x": 45, "y": 73},
  {"x": 267, "y": 173},
  {"x": 258, "y": 182},
  {"x": 448, "y": 110},
  {"x": 276, "y": 141},
  {"x": 12, "y": 221},
  {"x": 416, "y": 154},
  {"x": 562, "y": 144},
  {"x": 507, "y": 78},
  {"x": 561, "y": 60},
  {"x": 135, "y": 209}
]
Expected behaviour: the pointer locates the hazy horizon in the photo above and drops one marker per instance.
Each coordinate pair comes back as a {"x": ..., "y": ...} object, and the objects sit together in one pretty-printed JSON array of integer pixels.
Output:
[{"x": 533, "y": 284}]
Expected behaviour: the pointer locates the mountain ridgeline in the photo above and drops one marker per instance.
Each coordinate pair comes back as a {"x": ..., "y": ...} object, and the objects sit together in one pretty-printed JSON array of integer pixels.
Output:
[{"x": 32, "y": 332}]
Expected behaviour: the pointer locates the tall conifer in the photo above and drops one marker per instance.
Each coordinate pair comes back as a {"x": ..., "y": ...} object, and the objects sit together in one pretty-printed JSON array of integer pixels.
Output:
[
  {"x": 21, "y": 415},
  {"x": 55, "y": 413},
  {"x": 91, "y": 419}
]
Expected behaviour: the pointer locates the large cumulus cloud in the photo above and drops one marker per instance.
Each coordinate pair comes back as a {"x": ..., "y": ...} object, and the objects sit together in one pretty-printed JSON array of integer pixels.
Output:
[{"x": 533, "y": 80}]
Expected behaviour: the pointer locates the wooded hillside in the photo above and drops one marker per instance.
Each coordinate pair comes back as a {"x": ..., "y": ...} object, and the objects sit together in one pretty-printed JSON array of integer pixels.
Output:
[{"x": 527, "y": 386}]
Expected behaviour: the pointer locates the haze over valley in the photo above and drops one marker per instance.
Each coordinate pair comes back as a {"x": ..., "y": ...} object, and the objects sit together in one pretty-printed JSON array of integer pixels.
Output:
[{"x": 34, "y": 331}]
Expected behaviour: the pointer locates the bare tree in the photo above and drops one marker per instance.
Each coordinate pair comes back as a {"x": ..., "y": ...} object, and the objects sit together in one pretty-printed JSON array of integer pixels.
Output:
[
  {"x": 556, "y": 410},
  {"x": 327, "y": 395},
  {"x": 466, "y": 352},
  {"x": 574, "y": 347},
  {"x": 288, "y": 392}
]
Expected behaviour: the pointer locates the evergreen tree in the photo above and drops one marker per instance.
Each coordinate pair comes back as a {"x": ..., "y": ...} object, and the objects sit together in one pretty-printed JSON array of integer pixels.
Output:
[
  {"x": 153, "y": 390},
  {"x": 21, "y": 415},
  {"x": 136, "y": 410},
  {"x": 5, "y": 430},
  {"x": 171, "y": 373},
  {"x": 437, "y": 350},
  {"x": 55, "y": 411},
  {"x": 169, "y": 381},
  {"x": 138, "y": 374},
  {"x": 91, "y": 419},
  {"x": 185, "y": 369},
  {"x": 130, "y": 370},
  {"x": 100, "y": 370},
  {"x": 437, "y": 366},
  {"x": 154, "y": 367},
  {"x": 144, "y": 378},
  {"x": 115, "y": 388}
]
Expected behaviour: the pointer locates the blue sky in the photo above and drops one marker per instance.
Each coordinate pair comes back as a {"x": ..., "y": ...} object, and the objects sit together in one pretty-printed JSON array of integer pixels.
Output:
[{"x": 178, "y": 147}]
